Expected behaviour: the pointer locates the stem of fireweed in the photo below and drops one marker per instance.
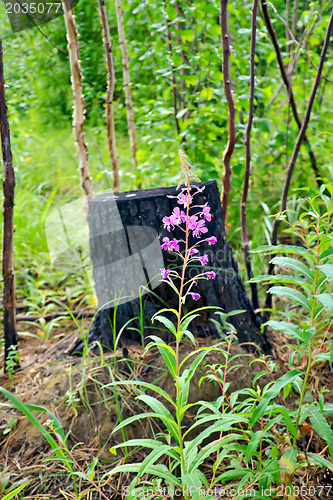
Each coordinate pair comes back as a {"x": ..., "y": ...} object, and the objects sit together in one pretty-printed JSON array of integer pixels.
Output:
[
  {"x": 179, "y": 336},
  {"x": 312, "y": 324}
]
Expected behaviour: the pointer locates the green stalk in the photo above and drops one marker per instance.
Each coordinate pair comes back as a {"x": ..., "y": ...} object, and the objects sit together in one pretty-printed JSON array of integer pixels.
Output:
[
  {"x": 179, "y": 336},
  {"x": 312, "y": 323}
]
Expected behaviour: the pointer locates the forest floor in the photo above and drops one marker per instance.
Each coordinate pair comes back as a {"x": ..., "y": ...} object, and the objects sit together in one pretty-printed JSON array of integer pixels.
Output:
[{"x": 77, "y": 391}]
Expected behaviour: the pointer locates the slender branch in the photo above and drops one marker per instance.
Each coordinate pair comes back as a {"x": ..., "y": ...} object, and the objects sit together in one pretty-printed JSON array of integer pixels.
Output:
[
  {"x": 297, "y": 146},
  {"x": 180, "y": 15},
  {"x": 296, "y": 42},
  {"x": 79, "y": 104},
  {"x": 287, "y": 82},
  {"x": 109, "y": 115},
  {"x": 245, "y": 242},
  {"x": 127, "y": 87},
  {"x": 8, "y": 272},
  {"x": 172, "y": 67},
  {"x": 231, "y": 108},
  {"x": 294, "y": 20}
]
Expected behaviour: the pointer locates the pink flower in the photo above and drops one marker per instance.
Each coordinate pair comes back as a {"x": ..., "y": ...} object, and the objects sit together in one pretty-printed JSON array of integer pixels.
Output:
[
  {"x": 210, "y": 275},
  {"x": 191, "y": 221},
  {"x": 171, "y": 245},
  {"x": 206, "y": 213},
  {"x": 165, "y": 244},
  {"x": 174, "y": 245},
  {"x": 184, "y": 199},
  {"x": 167, "y": 223},
  {"x": 165, "y": 273},
  {"x": 198, "y": 228},
  {"x": 177, "y": 217},
  {"x": 193, "y": 251},
  {"x": 211, "y": 240},
  {"x": 204, "y": 260},
  {"x": 195, "y": 296}
]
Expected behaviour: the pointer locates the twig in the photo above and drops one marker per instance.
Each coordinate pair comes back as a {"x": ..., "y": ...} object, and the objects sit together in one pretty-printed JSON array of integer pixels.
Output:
[
  {"x": 245, "y": 242},
  {"x": 314, "y": 479},
  {"x": 287, "y": 82},
  {"x": 180, "y": 15},
  {"x": 109, "y": 114},
  {"x": 172, "y": 67},
  {"x": 79, "y": 111},
  {"x": 231, "y": 108},
  {"x": 297, "y": 146},
  {"x": 296, "y": 42},
  {"x": 127, "y": 88}
]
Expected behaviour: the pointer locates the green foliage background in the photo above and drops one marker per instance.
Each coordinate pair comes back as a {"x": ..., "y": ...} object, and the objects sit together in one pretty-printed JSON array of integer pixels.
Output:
[{"x": 40, "y": 106}]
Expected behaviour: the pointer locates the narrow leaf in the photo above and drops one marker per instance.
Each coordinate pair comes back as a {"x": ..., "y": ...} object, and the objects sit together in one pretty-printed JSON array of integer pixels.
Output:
[
  {"x": 294, "y": 264},
  {"x": 293, "y": 331},
  {"x": 327, "y": 300},
  {"x": 327, "y": 269},
  {"x": 292, "y": 294},
  {"x": 274, "y": 390}
]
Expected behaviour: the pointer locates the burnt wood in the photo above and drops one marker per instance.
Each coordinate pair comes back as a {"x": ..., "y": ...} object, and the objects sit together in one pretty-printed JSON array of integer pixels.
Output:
[{"x": 109, "y": 241}]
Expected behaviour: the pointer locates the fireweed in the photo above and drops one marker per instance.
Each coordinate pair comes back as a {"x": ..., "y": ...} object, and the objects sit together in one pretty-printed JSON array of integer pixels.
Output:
[{"x": 184, "y": 455}]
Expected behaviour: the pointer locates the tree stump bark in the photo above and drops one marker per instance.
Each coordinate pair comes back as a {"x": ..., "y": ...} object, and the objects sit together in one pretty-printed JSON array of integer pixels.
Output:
[{"x": 124, "y": 244}]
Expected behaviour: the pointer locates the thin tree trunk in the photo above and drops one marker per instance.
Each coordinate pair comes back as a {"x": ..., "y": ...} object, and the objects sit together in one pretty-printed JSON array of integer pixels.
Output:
[
  {"x": 180, "y": 13},
  {"x": 294, "y": 26},
  {"x": 127, "y": 86},
  {"x": 288, "y": 85},
  {"x": 173, "y": 76},
  {"x": 245, "y": 241},
  {"x": 79, "y": 104},
  {"x": 231, "y": 108},
  {"x": 9, "y": 296},
  {"x": 297, "y": 146},
  {"x": 109, "y": 115}
]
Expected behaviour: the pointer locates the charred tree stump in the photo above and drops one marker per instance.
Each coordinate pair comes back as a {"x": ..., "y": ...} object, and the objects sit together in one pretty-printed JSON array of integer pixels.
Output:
[{"x": 126, "y": 231}]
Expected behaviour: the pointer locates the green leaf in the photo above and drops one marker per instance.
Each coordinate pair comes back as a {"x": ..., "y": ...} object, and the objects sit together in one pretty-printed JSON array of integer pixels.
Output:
[
  {"x": 184, "y": 385},
  {"x": 162, "y": 412},
  {"x": 165, "y": 449},
  {"x": 327, "y": 269},
  {"x": 293, "y": 331},
  {"x": 288, "y": 464},
  {"x": 140, "y": 383},
  {"x": 321, "y": 426},
  {"x": 17, "y": 490},
  {"x": 187, "y": 320},
  {"x": 274, "y": 390},
  {"x": 182, "y": 112},
  {"x": 58, "y": 428},
  {"x": 326, "y": 253},
  {"x": 294, "y": 264},
  {"x": 279, "y": 278},
  {"x": 321, "y": 461},
  {"x": 191, "y": 80},
  {"x": 327, "y": 300},
  {"x": 191, "y": 481},
  {"x": 252, "y": 446},
  {"x": 292, "y": 294},
  {"x": 167, "y": 354},
  {"x": 25, "y": 410},
  {"x": 293, "y": 249},
  {"x": 287, "y": 420},
  {"x": 225, "y": 424},
  {"x": 166, "y": 322}
]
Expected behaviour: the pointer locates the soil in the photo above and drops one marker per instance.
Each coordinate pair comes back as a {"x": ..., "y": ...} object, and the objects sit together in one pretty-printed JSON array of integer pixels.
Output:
[{"x": 78, "y": 392}]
